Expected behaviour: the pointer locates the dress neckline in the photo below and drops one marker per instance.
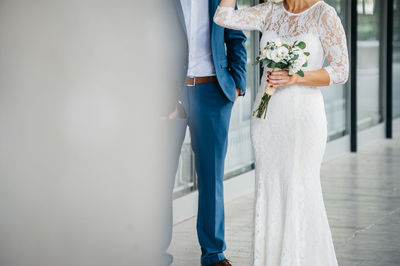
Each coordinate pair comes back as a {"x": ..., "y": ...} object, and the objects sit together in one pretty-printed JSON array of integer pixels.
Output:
[{"x": 302, "y": 12}]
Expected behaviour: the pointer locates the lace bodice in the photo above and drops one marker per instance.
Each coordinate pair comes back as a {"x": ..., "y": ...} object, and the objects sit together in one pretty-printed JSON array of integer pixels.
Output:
[{"x": 319, "y": 22}]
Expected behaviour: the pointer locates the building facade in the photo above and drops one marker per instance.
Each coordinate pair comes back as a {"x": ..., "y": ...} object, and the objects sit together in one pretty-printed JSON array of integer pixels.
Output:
[{"x": 363, "y": 110}]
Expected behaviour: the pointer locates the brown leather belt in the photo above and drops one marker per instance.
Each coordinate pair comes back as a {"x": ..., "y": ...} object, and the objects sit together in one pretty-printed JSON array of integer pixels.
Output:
[{"x": 193, "y": 81}]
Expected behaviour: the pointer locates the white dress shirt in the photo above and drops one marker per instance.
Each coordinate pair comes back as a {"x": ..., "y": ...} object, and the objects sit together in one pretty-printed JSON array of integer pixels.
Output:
[{"x": 197, "y": 20}]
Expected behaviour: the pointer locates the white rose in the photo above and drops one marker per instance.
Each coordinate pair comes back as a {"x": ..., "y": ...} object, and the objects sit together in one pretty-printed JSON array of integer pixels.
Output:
[
  {"x": 278, "y": 54},
  {"x": 266, "y": 53},
  {"x": 302, "y": 58},
  {"x": 275, "y": 56},
  {"x": 283, "y": 52}
]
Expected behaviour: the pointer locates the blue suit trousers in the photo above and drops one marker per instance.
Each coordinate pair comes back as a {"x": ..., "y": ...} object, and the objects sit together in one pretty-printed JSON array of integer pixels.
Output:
[{"x": 209, "y": 113}]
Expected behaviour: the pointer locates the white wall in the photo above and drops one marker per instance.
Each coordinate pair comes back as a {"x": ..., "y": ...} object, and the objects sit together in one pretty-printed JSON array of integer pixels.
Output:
[{"x": 82, "y": 86}]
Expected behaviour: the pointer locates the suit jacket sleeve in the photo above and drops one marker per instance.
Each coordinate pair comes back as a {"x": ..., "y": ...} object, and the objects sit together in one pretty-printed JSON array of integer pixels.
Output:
[{"x": 237, "y": 57}]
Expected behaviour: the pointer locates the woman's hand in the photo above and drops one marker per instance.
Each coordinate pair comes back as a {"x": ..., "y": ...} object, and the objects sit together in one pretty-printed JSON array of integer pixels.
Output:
[
  {"x": 228, "y": 3},
  {"x": 281, "y": 78}
]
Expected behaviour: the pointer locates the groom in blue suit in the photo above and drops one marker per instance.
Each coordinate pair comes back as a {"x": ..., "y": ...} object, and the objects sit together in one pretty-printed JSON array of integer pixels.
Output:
[{"x": 215, "y": 77}]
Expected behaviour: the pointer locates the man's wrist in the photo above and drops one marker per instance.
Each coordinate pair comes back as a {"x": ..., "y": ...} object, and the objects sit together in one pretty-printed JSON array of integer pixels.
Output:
[{"x": 241, "y": 92}]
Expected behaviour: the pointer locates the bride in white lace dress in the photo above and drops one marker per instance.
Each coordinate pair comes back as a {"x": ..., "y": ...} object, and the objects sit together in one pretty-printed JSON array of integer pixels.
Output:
[{"x": 291, "y": 225}]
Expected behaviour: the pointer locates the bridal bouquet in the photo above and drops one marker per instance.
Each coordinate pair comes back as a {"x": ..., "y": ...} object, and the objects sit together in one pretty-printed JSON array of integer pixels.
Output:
[{"x": 279, "y": 55}]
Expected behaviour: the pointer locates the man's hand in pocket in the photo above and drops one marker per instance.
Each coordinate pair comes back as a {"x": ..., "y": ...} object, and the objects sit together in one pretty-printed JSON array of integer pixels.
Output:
[{"x": 237, "y": 93}]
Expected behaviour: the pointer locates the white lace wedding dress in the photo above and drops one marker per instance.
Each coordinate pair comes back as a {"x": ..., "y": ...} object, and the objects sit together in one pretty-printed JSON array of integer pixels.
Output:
[{"x": 291, "y": 225}]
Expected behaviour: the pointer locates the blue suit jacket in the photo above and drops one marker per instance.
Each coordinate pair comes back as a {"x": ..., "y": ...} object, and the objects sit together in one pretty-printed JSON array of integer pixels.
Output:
[{"x": 230, "y": 64}]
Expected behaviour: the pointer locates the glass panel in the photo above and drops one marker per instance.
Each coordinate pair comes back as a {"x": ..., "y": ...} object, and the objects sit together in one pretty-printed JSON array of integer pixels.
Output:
[
  {"x": 336, "y": 96},
  {"x": 368, "y": 62},
  {"x": 396, "y": 58}
]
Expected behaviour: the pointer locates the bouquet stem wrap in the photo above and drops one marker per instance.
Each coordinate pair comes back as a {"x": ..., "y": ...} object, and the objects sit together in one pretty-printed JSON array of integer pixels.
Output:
[{"x": 262, "y": 107}]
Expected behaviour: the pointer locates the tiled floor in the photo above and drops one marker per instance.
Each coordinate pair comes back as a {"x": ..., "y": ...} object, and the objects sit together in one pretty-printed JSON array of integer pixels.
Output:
[{"x": 362, "y": 197}]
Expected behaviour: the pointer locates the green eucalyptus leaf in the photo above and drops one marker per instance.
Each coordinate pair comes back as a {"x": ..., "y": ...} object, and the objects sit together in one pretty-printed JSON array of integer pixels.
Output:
[
  {"x": 301, "y": 45},
  {"x": 280, "y": 65},
  {"x": 257, "y": 61},
  {"x": 301, "y": 73}
]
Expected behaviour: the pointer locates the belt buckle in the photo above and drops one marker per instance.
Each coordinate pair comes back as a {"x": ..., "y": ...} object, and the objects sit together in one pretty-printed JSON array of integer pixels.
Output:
[{"x": 194, "y": 82}]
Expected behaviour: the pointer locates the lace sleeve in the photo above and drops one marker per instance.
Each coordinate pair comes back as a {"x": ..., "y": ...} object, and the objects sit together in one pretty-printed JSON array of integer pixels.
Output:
[
  {"x": 333, "y": 40},
  {"x": 249, "y": 18}
]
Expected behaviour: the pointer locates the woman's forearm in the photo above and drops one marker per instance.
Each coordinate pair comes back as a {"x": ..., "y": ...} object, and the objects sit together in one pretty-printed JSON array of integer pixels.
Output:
[
  {"x": 245, "y": 18},
  {"x": 228, "y": 3},
  {"x": 317, "y": 78}
]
